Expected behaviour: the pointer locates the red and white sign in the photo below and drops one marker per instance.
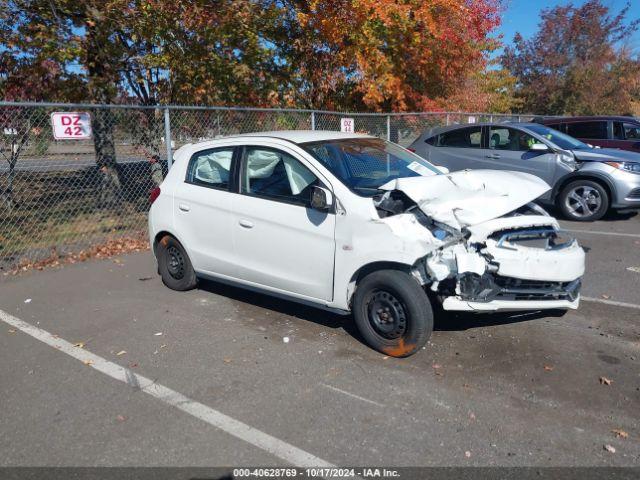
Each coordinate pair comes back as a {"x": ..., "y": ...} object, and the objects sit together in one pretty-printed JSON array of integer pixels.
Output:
[
  {"x": 347, "y": 125},
  {"x": 71, "y": 125}
]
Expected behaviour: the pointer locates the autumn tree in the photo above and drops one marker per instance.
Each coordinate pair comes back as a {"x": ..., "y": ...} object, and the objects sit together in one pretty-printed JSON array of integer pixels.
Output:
[
  {"x": 386, "y": 54},
  {"x": 576, "y": 63}
]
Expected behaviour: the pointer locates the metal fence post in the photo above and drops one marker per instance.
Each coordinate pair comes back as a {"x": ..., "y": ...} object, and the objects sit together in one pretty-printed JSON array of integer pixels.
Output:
[
  {"x": 167, "y": 137},
  {"x": 388, "y": 128},
  {"x": 447, "y": 119},
  {"x": 313, "y": 120}
]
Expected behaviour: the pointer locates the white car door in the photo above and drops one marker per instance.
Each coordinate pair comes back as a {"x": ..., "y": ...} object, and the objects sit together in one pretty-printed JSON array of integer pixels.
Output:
[
  {"x": 280, "y": 242},
  {"x": 202, "y": 211}
]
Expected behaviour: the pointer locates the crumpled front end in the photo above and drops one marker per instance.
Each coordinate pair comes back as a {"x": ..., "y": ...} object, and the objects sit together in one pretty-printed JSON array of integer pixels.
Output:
[
  {"x": 520, "y": 262},
  {"x": 489, "y": 247}
]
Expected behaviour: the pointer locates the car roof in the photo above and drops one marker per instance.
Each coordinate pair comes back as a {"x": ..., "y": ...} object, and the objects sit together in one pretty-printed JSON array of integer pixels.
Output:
[
  {"x": 446, "y": 128},
  {"x": 620, "y": 118},
  {"x": 294, "y": 136}
]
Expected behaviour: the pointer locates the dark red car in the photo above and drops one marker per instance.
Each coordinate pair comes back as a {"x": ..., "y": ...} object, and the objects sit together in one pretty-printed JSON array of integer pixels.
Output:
[{"x": 606, "y": 132}]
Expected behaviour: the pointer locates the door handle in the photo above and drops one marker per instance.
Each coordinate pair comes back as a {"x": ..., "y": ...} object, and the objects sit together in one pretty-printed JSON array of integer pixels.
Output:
[
  {"x": 184, "y": 207},
  {"x": 246, "y": 223}
]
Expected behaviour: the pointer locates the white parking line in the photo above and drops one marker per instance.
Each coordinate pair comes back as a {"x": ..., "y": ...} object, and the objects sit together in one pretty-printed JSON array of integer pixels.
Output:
[
  {"x": 597, "y": 232},
  {"x": 352, "y": 395},
  {"x": 610, "y": 302},
  {"x": 253, "y": 436}
]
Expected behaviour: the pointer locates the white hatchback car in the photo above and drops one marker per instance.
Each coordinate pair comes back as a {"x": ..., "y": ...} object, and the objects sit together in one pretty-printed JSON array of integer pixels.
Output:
[{"x": 353, "y": 223}]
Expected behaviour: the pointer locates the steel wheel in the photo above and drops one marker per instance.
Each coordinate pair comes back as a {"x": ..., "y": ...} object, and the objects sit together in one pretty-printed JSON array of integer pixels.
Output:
[
  {"x": 583, "y": 201},
  {"x": 387, "y": 315},
  {"x": 175, "y": 263}
]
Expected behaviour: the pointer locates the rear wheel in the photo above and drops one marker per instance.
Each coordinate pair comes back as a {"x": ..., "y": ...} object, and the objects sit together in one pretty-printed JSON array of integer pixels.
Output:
[
  {"x": 583, "y": 201},
  {"x": 393, "y": 313},
  {"x": 174, "y": 265}
]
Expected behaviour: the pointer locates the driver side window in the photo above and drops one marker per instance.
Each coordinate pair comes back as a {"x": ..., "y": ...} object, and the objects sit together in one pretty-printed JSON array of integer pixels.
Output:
[
  {"x": 501, "y": 138},
  {"x": 276, "y": 175}
]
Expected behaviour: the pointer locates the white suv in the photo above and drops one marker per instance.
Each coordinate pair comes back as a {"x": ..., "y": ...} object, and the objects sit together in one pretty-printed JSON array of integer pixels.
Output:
[{"x": 352, "y": 223}]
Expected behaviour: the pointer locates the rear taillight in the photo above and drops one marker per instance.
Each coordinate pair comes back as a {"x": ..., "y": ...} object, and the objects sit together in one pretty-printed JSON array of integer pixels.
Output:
[
  {"x": 155, "y": 193},
  {"x": 413, "y": 150}
]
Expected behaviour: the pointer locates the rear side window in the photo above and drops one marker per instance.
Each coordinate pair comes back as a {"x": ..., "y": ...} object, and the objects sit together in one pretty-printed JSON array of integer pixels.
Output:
[
  {"x": 211, "y": 168},
  {"x": 596, "y": 130},
  {"x": 431, "y": 140},
  {"x": 470, "y": 137}
]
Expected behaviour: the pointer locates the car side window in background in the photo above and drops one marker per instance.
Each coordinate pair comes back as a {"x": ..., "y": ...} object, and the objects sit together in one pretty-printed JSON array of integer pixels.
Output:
[
  {"x": 501, "y": 138},
  {"x": 276, "y": 175},
  {"x": 631, "y": 131},
  {"x": 595, "y": 130},
  {"x": 211, "y": 168},
  {"x": 470, "y": 137},
  {"x": 555, "y": 126},
  {"x": 618, "y": 131}
]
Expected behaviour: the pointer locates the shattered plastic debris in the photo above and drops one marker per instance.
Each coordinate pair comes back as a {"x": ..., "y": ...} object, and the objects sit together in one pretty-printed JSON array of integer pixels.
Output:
[
  {"x": 88, "y": 362},
  {"x": 121, "y": 352},
  {"x": 285, "y": 339},
  {"x": 467, "y": 454},
  {"x": 549, "y": 368},
  {"x": 634, "y": 269},
  {"x": 605, "y": 381},
  {"x": 609, "y": 448},
  {"x": 158, "y": 334},
  {"x": 28, "y": 300},
  {"x": 79, "y": 344},
  {"x": 620, "y": 433}
]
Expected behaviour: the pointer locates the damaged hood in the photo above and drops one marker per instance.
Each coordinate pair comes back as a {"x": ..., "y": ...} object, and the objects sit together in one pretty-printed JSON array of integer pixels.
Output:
[
  {"x": 606, "y": 155},
  {"x": 469, "y": 197}
]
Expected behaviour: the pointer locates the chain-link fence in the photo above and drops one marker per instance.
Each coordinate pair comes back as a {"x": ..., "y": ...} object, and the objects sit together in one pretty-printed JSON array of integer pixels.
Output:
[{"x": 58, "y": 196}]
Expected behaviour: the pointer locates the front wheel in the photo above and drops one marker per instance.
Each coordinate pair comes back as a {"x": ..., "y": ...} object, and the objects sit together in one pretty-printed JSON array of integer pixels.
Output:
[
  {"x": 393, "y": 313},
  {"x": 583, "y": 201}
]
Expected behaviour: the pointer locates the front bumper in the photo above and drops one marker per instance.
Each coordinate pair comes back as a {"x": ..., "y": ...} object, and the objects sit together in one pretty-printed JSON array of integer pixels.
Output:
[
  {"x": 457, "y": 304},
  {"x": 627, "y": 186}
]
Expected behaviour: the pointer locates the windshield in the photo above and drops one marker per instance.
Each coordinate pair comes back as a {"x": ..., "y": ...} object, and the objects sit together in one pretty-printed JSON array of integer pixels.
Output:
[
  {"x": 558, "y": 138},
  {"x": 364, "y": 164}
]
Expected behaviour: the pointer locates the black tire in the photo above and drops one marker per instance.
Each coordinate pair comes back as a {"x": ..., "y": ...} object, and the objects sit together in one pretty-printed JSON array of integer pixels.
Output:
[
  {"x": 174, "y": 265},
  {"x": 392, "y": 312},
  {"x": 583, "y": 201}
]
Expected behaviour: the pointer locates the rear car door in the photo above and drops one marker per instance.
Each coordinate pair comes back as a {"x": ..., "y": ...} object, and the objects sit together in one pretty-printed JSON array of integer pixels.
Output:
[
  {"x": 202, "y": 210},
  {"x": 509, "y": 149},
  {"x": 457, "y": 149},
  {"x": 280, "y": 242}
]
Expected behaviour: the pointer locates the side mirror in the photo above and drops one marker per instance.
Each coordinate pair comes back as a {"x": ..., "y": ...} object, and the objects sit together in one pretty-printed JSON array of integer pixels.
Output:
[
  {"x": 539, "y": 147},
  {"x": 442, "y": 169},
  {"x": 321, "y": 199}
]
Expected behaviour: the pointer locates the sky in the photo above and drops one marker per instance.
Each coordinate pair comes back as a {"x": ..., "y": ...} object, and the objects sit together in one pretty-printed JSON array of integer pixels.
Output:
[{"x": 523, "y": 16}]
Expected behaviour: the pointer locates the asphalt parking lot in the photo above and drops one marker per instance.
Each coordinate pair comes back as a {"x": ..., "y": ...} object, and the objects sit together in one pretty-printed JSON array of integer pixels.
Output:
[{"x": 119, "y": 370}]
